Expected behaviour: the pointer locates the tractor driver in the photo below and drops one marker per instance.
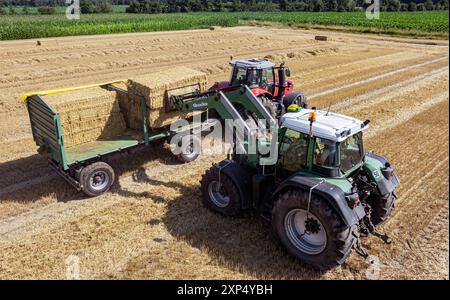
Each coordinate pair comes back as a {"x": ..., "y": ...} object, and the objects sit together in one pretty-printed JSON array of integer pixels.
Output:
[{"x": 325, "y": 153}]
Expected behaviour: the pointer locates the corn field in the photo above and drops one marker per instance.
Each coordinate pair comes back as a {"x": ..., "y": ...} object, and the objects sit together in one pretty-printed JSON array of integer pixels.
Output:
[{"x": 35, "y": 26}]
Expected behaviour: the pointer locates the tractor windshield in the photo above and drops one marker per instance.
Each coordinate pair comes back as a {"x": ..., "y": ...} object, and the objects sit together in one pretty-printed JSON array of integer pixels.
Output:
[
  {"x": 253, "y": 77},
  {"x": 239, "y": 76},
  {"x": 351, "y": 152}
]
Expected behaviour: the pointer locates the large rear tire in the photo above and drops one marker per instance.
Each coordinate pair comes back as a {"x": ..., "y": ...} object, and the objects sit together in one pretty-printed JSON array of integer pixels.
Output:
[
  {"x": 220, "y": 193},
  {"x": 96, "y": 178},
  {"x": 295, "y": 98},
  {"x": 319, "y": 237}
]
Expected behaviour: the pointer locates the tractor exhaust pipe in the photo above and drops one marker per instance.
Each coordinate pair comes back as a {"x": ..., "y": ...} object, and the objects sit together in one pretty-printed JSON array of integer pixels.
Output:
[{"x": 281, "y": 81}]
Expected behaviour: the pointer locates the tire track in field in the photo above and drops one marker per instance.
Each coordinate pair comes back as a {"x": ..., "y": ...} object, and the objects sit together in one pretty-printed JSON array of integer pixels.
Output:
[
  {"x": 405, "y": 115},
  {"x": 378, "y": 77},
  {"x": 52, "y": 213},
  {"x": 422, "y": 193},
  {"x": 415, "y": 83}
]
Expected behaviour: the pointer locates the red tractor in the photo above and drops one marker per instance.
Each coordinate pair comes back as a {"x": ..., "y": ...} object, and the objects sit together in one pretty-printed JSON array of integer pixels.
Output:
[{"x": 267, "y": 82}]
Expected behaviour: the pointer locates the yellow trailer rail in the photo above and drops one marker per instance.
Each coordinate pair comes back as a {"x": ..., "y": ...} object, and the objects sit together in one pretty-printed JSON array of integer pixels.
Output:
[{"x": 59, "y": 91}]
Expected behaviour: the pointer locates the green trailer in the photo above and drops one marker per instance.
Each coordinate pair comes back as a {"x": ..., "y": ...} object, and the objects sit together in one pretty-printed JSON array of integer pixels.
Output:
[{"x": 82, "y": 165}]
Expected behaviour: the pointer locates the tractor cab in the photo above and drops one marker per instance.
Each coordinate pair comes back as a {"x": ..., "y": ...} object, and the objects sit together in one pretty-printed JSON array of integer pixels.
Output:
[
  {"x": 262, "y": 76},
  {"x": 321, "y": 142}
]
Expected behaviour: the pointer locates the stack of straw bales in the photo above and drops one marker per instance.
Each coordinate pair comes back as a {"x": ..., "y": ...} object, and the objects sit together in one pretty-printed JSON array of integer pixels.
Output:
[
  {"x": 156, "y": 88},
  {"x": 94, "y": 114},
  {"x": 88, "y": 115}
]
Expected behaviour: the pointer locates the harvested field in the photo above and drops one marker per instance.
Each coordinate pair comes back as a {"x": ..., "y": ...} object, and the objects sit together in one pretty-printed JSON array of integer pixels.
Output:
[{"x": 152, "y": 223}]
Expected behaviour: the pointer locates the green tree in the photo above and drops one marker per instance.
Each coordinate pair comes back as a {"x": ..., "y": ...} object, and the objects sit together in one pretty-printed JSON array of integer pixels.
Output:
[
  {"x": 87, "y": 7},
  {"x": 421, "y": 7},
  {"x": 393, "y": 5},
  {"x": 429, "y": 5},
  {"x": 331, "y": 5},
  {"x": 412, "y": 6},
  {"x": 317, "y": 5},
  {"x": 25, "y": 10},
  {"x": 103, "y": 7},
  {"x": 443, "y": 4}
]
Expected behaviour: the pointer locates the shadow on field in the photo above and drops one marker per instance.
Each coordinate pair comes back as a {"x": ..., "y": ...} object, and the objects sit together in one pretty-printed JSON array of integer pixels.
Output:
[
  {"x": 29, "y": 179},
  {"x": 245, "y": 244}
]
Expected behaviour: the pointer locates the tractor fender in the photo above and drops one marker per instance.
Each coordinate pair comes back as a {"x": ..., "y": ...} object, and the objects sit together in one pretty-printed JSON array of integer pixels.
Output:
[
  {"x": 259, "y": 91},
  {"x": 385, "y": 186},
  {"x": 334, "y": 196},
  {"x": 292, "y": 97},
  {"x": 241, "y": 179}
]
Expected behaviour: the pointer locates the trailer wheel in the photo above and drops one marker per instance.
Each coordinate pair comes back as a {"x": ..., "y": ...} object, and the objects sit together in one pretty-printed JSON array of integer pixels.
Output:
[
  {"x": 188, "y": 147},
  {"x": 318, "y": 237},
  {"x": 96, "y": 178},
  {"x": 220, "y": 194}
]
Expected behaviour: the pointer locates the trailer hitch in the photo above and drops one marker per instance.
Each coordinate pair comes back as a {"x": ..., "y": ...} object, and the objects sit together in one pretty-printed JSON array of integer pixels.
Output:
[
  {"x": 371, "y": 228},
  {"x": 360, "y": 250}
]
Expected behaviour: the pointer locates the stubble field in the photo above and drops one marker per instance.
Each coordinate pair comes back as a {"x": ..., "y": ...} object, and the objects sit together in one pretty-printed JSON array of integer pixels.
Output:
[{"x": 152, "y": 224}]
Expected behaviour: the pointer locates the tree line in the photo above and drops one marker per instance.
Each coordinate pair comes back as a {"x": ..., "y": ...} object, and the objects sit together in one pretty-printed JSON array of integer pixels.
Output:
[{"x": 171, "y": 6}]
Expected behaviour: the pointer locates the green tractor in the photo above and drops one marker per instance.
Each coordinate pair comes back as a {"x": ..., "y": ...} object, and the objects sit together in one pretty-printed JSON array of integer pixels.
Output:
[{"x": 318, "y": 187}]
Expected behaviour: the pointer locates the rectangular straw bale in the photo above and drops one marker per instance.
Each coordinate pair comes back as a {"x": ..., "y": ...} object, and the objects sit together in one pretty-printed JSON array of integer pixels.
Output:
[
  {"x": 157, "y": 86},
  {"x": 88, "y": 115},
  {"x": 156, "y": 89},
  {"x": 159, "y": 118}
]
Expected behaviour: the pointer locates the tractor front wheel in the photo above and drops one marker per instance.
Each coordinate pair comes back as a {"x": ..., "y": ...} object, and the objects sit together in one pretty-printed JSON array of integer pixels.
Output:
[
  {"x": 187, "y": 148},
  {"x": 317, "y": 237},
  {"x": 220, "y": 193}
]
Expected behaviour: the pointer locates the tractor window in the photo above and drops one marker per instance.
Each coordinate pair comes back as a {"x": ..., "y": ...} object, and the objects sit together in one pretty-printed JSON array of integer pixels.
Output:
[
  {"x": 294, "y": 150},
  {"x": 267, "y": 79},
  {"x": 351, "y": 152},
  {"x": 325, "y": 153},
  {"x": 253, "y": 77},
  {"x": 239, "y": 76}
]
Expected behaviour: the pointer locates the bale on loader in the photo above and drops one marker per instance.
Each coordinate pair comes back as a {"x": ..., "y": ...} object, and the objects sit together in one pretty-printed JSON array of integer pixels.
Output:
[{"x": 156, "y": 89}]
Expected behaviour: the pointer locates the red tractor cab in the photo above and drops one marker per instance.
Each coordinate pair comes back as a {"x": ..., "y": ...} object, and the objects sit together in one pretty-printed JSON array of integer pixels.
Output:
[{"x": 267, "y": 82}]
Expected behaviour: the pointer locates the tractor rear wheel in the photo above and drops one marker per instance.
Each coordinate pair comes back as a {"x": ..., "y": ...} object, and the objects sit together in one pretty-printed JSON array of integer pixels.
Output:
[
  {"x": 295, "y": 98},
  {"x": 247, "y": 117},
  {"x": 269, "y": 105},
  {"x": 382, "y": 208},
  {"x": 220, "y": 193},
  {"x": 318, "y": 237},
  {"x": 96, "y": 178}
]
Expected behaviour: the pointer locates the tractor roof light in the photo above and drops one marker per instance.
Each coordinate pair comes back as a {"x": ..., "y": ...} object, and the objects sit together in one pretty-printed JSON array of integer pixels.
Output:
[{"x": 312, "y": 117}]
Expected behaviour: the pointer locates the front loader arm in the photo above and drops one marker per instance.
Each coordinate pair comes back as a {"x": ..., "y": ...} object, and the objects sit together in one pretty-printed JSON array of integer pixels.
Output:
[{"x": 224, "y": 103}]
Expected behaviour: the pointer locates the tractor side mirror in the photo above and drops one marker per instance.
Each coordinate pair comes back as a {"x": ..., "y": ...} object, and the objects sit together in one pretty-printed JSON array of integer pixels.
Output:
[{"x": 288, "y": 73}]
